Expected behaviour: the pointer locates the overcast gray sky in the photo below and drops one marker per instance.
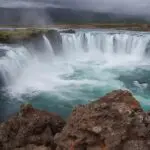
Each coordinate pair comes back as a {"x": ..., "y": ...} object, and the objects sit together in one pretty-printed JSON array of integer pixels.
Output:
[{"x": 120, "y": 6}]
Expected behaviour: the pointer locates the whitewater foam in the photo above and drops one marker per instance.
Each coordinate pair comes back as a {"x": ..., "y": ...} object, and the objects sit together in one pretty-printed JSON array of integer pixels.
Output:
[{"x": 90, "y": 61}]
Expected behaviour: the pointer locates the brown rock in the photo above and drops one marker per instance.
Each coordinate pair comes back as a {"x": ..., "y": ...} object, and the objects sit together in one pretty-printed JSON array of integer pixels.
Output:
[
  {"x": 33, "y": 147},
  {"x": 29, "y": 129},
  {"x": 114, "y": 122}
]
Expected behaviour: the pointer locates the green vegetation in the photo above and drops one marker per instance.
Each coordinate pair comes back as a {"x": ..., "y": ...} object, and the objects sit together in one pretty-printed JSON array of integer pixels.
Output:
[
  {"x": 14, "y": 35},
  {"x": 121, "y": 26}
]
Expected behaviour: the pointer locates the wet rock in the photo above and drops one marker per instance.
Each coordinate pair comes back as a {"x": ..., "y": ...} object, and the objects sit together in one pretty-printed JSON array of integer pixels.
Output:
[
  {"x": 55, "y": 40},
  {"x": 30, "y": 129},
  {"x": 33, "y": 39},
  {"x": 114, "y": 122},
  {"x": 3, "y": 52},
  {"x": 85, "y": 43},
  {"x": 35, "y": 42},
  {"x": 147, "y": 50},
  {"x": 71, "y": 31},
  {"x": 2, "y": 80}
]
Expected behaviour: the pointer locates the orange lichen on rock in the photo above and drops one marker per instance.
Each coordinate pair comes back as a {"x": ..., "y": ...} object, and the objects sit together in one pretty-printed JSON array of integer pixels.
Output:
[{"x": 107, "y": 124}]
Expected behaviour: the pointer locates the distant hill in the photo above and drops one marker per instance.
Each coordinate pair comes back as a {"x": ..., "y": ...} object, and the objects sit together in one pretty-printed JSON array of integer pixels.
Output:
[{"x": 39, "y": 16}]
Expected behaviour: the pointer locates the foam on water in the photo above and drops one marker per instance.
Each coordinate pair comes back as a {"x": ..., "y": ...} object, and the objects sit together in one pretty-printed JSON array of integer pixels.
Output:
[{"x": 93, "y": 63}]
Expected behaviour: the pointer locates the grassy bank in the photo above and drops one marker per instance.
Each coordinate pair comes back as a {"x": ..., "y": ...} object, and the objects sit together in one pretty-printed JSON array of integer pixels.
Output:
[
  {"x": 26, "y": 33},
  {"x": 122, "y": 26},
  {"x": 8, "y": 36}
]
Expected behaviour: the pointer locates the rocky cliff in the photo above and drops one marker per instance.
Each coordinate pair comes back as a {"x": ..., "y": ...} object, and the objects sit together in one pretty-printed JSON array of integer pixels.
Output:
[
  {"x": 30, "y": 129},
  {"x": 114, "y": 122},
  {"x": 32, "y": 38}
]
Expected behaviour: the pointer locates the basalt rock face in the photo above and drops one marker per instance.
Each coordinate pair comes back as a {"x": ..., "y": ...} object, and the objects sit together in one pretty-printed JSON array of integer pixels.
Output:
[
  {"x": 30, "y": 129},
  {"x": 70, "y": 31},
  {"x": 33, "y": 38},
  {"x": 55, "y": 40},
  {"x": 114, "y": 122},
  {"x": 36, "y": 41}
]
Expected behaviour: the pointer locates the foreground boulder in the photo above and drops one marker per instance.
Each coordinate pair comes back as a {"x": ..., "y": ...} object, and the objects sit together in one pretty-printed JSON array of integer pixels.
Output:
[
  {"x": 31, "y": 129},
  {"x": 114, "y": 122}
]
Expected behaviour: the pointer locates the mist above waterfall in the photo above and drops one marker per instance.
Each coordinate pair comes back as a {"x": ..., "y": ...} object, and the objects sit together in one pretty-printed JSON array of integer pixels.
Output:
[
  {"x": 89, "y": 64},
  {"x": 27, "y": 70}
]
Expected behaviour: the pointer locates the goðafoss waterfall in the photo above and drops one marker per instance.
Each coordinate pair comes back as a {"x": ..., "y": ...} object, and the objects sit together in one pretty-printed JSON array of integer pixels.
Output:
[{"x": 90, "y": 64}]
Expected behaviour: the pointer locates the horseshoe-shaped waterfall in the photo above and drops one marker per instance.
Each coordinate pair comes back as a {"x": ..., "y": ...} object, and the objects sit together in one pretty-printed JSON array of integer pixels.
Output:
[{"x": 92, "y": 62}]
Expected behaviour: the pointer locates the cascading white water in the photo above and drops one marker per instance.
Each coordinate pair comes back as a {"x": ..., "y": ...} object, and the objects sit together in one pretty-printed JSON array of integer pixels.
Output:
[
  {"x": 26, "y": 70},
  {"x": 12, "y": 64},
  {"x": 48, "y": 46},
  {"x": 18, "y": 58},
  {"x": 93, "y": 63},
  {"x": 94, "y": 45},
  {"x": 120, "y": 43}
]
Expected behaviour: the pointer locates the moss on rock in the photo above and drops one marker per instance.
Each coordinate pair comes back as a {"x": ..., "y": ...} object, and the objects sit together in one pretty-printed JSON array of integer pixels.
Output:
[{"x": 16, "y": 35}]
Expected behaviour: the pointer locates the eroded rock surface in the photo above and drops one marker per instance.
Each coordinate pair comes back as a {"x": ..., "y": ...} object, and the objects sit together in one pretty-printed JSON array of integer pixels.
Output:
[
  {"x": 33, "y": 38},
  {"x": 30, "y": 129},
  {"x": 70, "y": 31},
  {"x": 114, "y": 122},
  {"x": 55, "y": 40}
]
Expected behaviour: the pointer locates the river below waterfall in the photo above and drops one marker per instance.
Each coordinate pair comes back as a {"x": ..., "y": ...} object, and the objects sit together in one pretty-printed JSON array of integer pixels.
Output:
[{"x": 92, "y": 63}]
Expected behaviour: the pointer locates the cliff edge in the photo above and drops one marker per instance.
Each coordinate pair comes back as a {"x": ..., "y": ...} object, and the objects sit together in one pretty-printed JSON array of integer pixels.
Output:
[{"x": 113, "y": 122}]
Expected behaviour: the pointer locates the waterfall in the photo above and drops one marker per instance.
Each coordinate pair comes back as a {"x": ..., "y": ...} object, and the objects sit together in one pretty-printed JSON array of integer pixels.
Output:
[
  {"x": 14, "y": 61},
  {"x": 120, "y": 43},
  {"x": 98, "y": 44},
  {"x": 48, "y": 46},
  {"x": 90, "y": 64}
]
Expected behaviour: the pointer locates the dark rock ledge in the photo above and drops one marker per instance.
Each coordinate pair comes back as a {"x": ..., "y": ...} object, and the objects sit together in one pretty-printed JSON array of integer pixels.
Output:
[
  {"x": 114, "y": 122},
  {"x": 30, "y": 129},
  {"x": 32, "y": 38},
  {"x": 70, "y": 31}
]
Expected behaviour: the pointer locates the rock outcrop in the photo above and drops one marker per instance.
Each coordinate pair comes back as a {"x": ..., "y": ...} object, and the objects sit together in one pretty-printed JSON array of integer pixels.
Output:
[
  {"x": 18, "y": 35},
  {"x": 36, "y": 41},
  {"x": 55, "y": 40},
  {"x": 31, "y": 129},
  {"x": 3, "y": 52},
  {"x": 114, "y": 122},
  {"x": 71, "y": 31},
  {"x": 32, "y": 38}
]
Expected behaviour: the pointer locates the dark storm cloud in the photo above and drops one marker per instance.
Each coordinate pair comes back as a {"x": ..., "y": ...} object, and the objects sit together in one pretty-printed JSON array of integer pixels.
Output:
[
  {"x": 27, "y": 3},
  {"x": 118, "y": 6}
]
